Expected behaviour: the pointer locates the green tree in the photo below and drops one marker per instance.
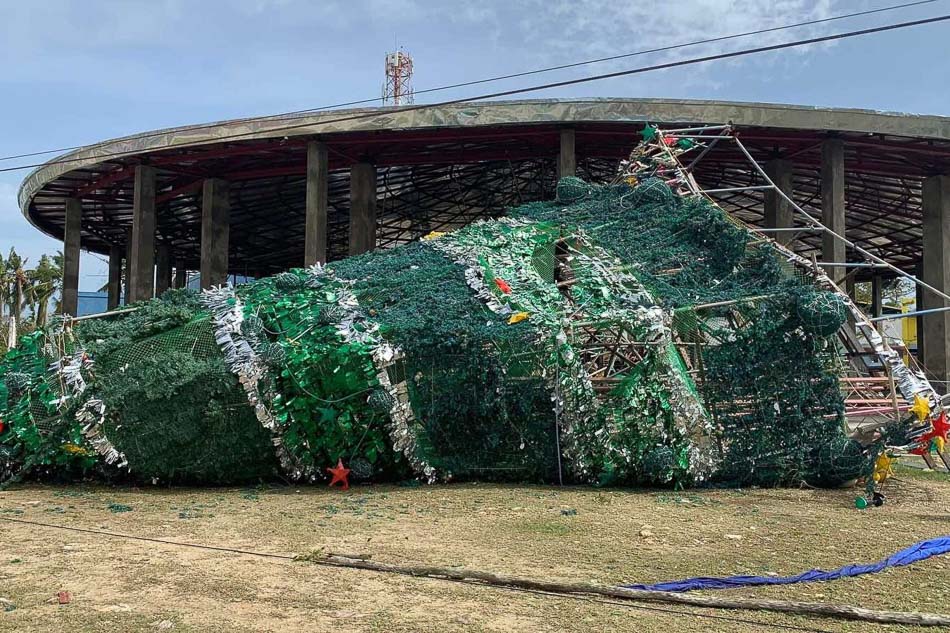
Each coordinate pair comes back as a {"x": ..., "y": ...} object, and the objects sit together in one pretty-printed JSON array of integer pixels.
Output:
[
  {"x": 14, "y": 283},
  {"x": 46, "y": 280},
  {"x": 27, "y": 293},
  {"x": 892, "y": 291}
]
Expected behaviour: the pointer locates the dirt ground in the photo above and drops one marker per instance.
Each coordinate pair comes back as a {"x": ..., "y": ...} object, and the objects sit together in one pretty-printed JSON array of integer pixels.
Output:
[{"x": 574, "y": 534}]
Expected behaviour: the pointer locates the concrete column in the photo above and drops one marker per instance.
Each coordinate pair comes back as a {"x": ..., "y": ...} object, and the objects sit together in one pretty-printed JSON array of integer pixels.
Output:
[
  {"x": 877, "y": 299},
  {"x": 566, "y": 158},
  {"x": 71, "y": 237},
  {"x": 142, "y": 278},
  {"x": 778, "y": 212},
  {"x": 115, "y": 276},
  {"x": 215, "y": 231},
  {"x": 919, "y": 305},
  {"x": 362, "y": 208},
  {"x": 318, "y": 181},
  {"x": 935, "y": 349},
  {"x": 128, "y": 265},
  {"x": 832, "y": 205},
  {"x": 163, "y": 269},
  {"x": 181, "y": 274}
]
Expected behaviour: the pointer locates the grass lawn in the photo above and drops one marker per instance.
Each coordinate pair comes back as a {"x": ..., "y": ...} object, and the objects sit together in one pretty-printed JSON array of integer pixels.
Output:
[{"x": 573, "y": 534}]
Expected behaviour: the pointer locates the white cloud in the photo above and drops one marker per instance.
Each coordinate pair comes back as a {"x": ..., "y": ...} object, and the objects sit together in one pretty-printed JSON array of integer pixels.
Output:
[{"x": 570, "y": 30}]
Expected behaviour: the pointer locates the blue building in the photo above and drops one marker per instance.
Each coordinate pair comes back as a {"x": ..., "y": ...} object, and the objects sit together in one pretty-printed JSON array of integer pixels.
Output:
[{"x": 92, "y": 303}]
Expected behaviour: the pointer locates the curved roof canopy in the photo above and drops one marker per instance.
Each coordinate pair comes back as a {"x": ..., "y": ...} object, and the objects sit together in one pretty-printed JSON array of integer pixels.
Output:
[{"x": 440, "y": 167}]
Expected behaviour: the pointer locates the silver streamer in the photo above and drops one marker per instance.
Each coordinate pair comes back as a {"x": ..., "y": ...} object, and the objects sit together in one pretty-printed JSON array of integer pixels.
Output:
[
  {"x": 384, "y": 356},
  {"x": 91, "y": 415},
  {"x": 640, "y": 310},
  {"x": 227, "y": 315},
  {"x": 572, "y": 380},
  {"x": 68, "y": 372}
]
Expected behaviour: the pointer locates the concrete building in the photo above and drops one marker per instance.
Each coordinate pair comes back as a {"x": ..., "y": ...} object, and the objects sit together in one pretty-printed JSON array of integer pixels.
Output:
[{"x": 253, "y": 197}]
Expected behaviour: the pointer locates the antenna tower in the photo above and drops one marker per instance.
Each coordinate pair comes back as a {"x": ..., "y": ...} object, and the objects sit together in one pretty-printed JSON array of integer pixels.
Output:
[{"x": 398, "y": 87}]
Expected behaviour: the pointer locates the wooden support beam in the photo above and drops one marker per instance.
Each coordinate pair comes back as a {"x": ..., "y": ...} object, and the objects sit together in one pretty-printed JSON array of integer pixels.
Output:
[{"x": 318, "y": 180}]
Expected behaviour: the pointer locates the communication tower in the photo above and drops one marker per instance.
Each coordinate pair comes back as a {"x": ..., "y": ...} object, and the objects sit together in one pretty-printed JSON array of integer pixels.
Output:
[{"x": 398, "y": 87}]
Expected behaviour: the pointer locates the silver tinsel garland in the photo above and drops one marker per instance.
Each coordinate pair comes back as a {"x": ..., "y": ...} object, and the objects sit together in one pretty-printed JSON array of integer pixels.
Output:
[
  {"x": 227, "y": 315},
  {"x": 384, "y": 356},
  {"x": 569, "y": 379},
  {"x": 67, "y": 371}
]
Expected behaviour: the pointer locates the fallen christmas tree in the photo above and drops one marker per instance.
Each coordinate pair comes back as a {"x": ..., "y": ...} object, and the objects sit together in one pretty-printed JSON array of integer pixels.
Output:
[{"x": 620, "y": 334}]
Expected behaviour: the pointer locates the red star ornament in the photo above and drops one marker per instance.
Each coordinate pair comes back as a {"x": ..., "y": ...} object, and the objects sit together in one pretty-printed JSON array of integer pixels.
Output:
[
  {"x": 941, "y": 426},
  {"x": 340, "y": 475},
  {"x": 940, "y": 429}
]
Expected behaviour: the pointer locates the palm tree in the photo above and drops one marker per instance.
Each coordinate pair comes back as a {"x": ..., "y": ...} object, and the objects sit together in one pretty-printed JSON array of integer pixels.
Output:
[
  {"x": 11, "y": 279},
  {"x": 44, "y": 282}
]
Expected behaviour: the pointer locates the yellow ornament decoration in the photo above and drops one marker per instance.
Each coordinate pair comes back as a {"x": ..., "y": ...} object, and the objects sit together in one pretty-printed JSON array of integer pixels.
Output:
[
  {"x": 517, "y": 317},
  {"x": 883, "y": 468},
  {"x": 433, "y": 235},
  {"x": 921, "y": 407}
]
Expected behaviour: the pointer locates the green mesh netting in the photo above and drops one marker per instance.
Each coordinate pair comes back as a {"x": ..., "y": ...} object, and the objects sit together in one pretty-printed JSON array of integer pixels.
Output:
[
  {"x": 481, "y": 407},
  {"x": 619, "y": 335},
  {"x": 769, "y": 372},
  {"x": 820, "y": 313},
  {"x": 177, "y": 413}
]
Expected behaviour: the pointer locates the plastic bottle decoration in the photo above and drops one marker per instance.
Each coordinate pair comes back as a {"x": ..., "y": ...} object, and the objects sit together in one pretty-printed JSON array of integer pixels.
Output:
[{"x": 517, "y": 317}]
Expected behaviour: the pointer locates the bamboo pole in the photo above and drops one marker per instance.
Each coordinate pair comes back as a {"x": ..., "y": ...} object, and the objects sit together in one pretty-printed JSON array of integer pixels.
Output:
[
  {"x": 100, "y": 315},
  {"x": 818, "y": 225},
  {"x": 721, "y": 304},
  {"x": 841, "y": 611}
]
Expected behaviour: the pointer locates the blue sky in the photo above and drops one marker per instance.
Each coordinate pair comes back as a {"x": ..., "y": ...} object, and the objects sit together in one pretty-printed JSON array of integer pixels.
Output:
[{"x": 78, "y": 72}]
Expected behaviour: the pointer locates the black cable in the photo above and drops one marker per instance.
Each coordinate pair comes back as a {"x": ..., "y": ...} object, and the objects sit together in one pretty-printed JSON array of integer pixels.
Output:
[
  {"x": 296, "y": 113},
  {"x": 232, "y": 550},
  {"x": 148, "y": 539},
  {"x": 507, "y": 93}
]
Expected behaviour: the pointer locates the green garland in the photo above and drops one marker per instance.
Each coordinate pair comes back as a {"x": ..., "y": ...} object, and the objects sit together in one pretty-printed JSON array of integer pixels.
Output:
[{"x": 181, "y": 419}]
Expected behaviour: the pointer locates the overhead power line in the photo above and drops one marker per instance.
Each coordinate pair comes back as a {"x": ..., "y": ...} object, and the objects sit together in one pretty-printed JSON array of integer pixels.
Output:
[
  {"x": 515, "y": 91},
  {"x": 537, "y": 71}
]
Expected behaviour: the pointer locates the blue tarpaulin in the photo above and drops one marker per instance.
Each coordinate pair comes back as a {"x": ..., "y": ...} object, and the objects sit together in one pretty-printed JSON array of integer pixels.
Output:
[{"x": 916, "y": 552}]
